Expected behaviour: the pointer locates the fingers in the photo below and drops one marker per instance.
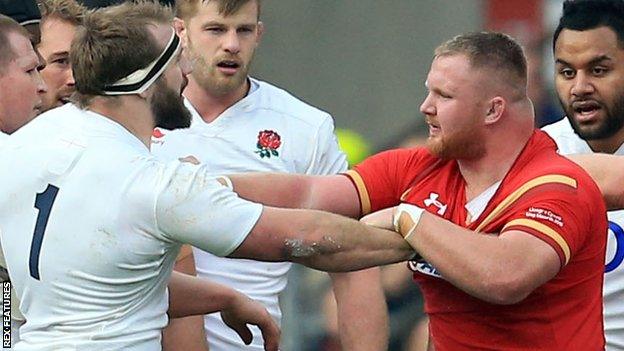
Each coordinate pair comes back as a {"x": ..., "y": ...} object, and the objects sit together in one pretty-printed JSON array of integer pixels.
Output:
[
  {"x": 270, "y": 333},
  {"x": 243, "y": 331}
]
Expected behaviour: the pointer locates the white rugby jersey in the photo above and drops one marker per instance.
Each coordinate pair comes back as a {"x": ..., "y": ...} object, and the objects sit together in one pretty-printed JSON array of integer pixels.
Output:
[
  {"x": 568, "y": 143},
  {"x": 234, "y": 143},
  {"x": 91, "y": 227}
]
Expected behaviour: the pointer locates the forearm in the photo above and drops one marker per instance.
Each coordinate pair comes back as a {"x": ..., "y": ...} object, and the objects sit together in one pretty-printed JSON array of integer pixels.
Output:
[
  {"x": 321, "y": 240},
  {"x": 480, "y": 264},
  {"x": 338, "y": 244},
  {"x": 362, "y": 311},
  {"x": 608, "y": 173},
  {"x": 190, "y": 296}
]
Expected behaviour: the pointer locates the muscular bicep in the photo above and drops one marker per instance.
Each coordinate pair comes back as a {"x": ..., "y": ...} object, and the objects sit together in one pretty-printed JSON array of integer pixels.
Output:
[
  {"x": 334, "y": 193},
  {"x": 608, "y": 172}
]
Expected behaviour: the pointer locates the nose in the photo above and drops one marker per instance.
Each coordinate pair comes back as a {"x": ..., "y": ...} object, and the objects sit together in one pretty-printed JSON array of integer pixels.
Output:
[
  {"x": 70, "y": 78},
  {"x": 427, "y": 108},
  {"x": 582, "y": 84},
  {"x": 42, "y": 88},
  {"x": 231, "y": 42}
]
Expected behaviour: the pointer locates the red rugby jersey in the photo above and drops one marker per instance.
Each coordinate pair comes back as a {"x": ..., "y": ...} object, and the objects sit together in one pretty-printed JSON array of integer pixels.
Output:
[{"x": 544, "y": 195}]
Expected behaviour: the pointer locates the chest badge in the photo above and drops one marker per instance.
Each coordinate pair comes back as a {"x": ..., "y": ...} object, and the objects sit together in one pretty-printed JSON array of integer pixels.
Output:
[
  {"x": 268, "y": 143},
  {"x": 433, "y": 200},
  {"x": 157, "y": 135}
]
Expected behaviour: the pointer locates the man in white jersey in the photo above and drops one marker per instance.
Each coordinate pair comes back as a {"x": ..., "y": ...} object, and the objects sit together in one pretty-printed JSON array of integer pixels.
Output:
[
  {"x": 92, "y": 223},
  {"x": 20, "y": 101},
  {"x": 589, "y": 60},
  {"x": 59, "y": 22},
  {"x": 241, "y": 124}
]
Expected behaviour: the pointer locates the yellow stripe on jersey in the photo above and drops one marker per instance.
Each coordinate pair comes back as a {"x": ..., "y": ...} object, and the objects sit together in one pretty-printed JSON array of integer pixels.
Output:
[
  {"x": 544, "y": 229},
  {"x": 509, "y": 200},
  {"x": 361, "y": 189}
]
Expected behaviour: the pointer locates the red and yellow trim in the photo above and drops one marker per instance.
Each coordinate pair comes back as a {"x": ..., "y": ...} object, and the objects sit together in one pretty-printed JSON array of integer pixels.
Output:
[
  {"x": 365, "y": 203},
  {"x": 509, "y": 200},
  {"x": 544, "y": 229}
]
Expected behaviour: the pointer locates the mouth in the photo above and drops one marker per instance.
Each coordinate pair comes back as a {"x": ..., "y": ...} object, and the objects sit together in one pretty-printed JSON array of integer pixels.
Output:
[
  {"x": 63, "y": 100},
  {"x": 586, "y": 111},
  {"x": 228, "y": 67},
  {"x": 434, "y": 128}
]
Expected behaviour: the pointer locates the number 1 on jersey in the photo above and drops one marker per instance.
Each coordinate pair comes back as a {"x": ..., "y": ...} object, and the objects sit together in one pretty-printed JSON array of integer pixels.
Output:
[{"x": 43, "y": 202}]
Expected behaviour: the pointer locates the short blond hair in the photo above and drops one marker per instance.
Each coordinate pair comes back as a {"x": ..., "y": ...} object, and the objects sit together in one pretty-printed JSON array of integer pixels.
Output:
[
  {"x": 67, "y": 10},
  {"x": 114, "y": 42},
  {"x": 186, "y": 9}
]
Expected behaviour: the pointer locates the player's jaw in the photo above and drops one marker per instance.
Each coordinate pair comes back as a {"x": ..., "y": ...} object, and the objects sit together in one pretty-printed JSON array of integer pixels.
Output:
[{"x": 594, "y": 119}]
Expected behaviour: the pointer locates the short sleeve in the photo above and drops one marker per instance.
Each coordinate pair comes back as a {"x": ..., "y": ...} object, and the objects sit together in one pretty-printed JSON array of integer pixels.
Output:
[
  {"x": 192, "y": 207},
  {"x": 381, "y": 179},
  {"x": 328, "y": 158},
  {"x": 557, "y": 215}
]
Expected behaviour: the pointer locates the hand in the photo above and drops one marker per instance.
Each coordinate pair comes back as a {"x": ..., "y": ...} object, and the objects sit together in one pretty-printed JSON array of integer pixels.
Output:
[
  {"x": 243, "y": 311},
  {"x": 405, "y": 219},
  {"x": 380, "y": 219}
]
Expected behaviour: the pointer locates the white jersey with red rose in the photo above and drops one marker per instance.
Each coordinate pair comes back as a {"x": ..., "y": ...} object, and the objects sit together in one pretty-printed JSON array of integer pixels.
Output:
[
  {"x": 267, "y": 131},
  {"x": 569, "y": 143}
]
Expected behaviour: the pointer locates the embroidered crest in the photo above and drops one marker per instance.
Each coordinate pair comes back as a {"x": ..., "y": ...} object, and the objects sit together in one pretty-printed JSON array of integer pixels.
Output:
[
  {"x": 268, "y": 143},
  {"x": 156, "y": 136}
]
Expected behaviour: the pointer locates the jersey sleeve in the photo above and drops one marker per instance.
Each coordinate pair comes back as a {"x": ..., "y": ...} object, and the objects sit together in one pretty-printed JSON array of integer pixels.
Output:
[
  {"x": 381, "y": 179},
  {"x": 192, "y": 207},
  {"x": 328, "y": 158},
  {"x": 558, "y": 215}
]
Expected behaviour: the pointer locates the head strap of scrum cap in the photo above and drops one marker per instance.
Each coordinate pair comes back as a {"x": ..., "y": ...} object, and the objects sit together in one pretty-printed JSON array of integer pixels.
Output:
[{"x": 141, "y": 79}]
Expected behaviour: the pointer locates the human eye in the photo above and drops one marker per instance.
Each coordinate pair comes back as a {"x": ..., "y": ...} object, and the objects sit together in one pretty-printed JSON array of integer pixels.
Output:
[{"x": 567, "y": 72}]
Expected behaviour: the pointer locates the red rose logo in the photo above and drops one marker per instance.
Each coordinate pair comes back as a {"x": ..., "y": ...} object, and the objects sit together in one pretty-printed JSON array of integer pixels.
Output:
[{"x": 268, "y": 143}]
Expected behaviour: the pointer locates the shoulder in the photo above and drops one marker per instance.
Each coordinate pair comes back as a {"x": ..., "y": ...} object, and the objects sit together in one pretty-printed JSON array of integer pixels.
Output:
[
  {"x": 282, "y": 102},
  {"x": 568, "y": 142}
]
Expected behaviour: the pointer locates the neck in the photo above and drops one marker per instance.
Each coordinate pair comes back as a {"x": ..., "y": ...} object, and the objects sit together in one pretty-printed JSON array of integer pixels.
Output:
[
  {"x": 210, "y": 105},
  {"x": 608, "y": 145},
  {"x": 131, "y": 111},
  {"x": 503, "y": 144}
]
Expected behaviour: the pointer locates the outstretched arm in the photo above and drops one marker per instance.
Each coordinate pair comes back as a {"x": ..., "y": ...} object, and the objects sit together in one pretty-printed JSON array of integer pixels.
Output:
[
  {"x": 333, "y": 193},
  {"x": 608, "y": 172},
  {"x": 321, "y": 240}
]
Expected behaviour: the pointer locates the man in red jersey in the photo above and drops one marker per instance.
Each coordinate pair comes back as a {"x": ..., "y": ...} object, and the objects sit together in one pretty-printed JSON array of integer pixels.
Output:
[{"x": 506, "y": 228}]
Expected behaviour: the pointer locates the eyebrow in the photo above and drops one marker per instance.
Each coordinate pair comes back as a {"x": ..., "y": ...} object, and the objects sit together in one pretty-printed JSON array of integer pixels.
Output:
[
  {"x": 217, "y": 23},
  {"x": 594, "y": 61}
]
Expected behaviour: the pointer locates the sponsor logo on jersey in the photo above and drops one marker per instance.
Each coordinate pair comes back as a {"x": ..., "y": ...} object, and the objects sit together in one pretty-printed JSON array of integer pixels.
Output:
[
  {"x": 433, "y": 201},
  {"x": 544, "y": 214},
  {"x": 424, "y": 268},
  {"x": 268, "y": 143}
]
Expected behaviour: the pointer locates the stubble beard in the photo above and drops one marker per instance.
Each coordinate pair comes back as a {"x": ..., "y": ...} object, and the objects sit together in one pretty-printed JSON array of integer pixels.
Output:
[
  {"x": 212, "y": 81},
  {"x": 464, "y": 144},
  {"x": 612, "y": 123}
]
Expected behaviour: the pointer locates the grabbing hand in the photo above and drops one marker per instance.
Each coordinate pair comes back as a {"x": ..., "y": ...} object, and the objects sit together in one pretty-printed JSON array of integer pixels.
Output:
[{"x": 405, "y": 219}]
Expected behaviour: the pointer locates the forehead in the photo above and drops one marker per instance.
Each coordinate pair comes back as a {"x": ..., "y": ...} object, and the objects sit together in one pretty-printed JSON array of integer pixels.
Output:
[
  {"x": 209, "y": 11},
  {"x": 22, "y": 48},
  {"x": 580, "y": 46},
  {"x": 450, "y": 71},
  {"x": 56, "y": 35}
]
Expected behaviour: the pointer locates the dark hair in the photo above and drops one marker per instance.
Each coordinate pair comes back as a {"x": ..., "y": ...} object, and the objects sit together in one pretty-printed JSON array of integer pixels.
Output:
[{"x": 590, "y": 14}]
